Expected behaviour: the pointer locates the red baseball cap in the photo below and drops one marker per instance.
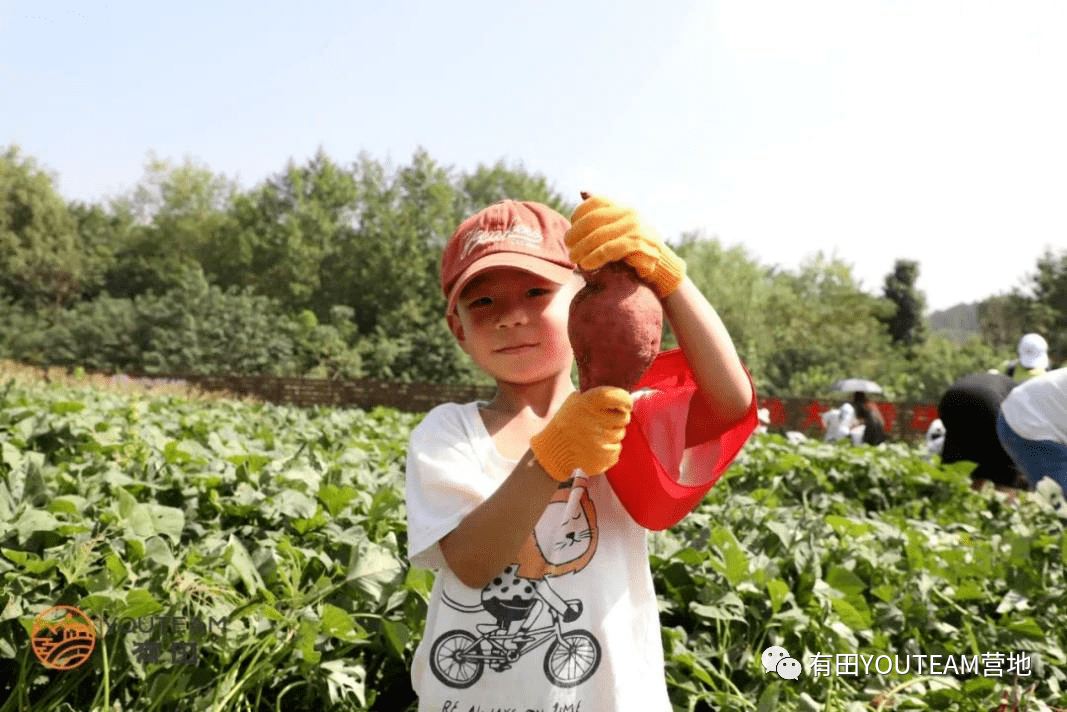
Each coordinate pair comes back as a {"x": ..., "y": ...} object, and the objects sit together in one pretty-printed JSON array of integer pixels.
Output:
[{"x": 525, "y": 235}]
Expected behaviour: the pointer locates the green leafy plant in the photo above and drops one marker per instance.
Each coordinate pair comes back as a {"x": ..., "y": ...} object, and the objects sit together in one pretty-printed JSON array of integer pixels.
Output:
[{"x": 242, "y": 556}]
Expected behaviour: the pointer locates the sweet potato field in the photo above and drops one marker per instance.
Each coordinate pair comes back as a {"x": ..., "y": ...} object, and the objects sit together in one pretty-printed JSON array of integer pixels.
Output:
[{"x": 248, "y": 557}]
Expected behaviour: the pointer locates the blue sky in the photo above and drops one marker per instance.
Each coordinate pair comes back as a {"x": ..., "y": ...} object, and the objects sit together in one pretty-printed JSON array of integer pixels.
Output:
[{"x": 868, "y": 130}]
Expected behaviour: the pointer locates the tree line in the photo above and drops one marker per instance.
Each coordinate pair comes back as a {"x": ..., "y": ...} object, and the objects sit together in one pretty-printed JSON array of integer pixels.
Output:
[{"x": 327, "y": 269}]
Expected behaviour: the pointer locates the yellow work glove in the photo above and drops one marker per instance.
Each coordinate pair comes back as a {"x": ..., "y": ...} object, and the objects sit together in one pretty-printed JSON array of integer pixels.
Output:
[
  {"x": 603, "y": 232},
  {"x": 585, "y": 432}
]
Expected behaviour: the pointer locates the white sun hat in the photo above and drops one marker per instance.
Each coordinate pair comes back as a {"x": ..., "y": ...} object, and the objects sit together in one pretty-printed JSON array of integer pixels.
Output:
[{"x": 1033, "y": 351}]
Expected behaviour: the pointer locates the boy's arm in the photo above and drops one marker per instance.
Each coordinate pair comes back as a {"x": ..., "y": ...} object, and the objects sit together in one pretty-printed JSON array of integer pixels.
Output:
[
  {"x": 720, "y": 376},
  {"x": 585, "y": 433},
  {"x": 489, "y": 538}
]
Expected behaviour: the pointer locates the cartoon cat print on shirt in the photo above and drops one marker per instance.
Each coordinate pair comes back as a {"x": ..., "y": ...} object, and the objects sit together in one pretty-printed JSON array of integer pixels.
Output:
[{"x": 563, "y": 542}]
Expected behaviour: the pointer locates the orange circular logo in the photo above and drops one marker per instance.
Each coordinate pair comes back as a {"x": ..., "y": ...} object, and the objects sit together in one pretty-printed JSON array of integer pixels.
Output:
[{"x": 62, "y": 637}]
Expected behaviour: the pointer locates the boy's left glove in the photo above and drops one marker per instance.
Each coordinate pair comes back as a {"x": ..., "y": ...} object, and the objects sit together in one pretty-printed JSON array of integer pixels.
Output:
[
  {"x": 586, "y": 432},
  {"x": 603, "y": 232}
]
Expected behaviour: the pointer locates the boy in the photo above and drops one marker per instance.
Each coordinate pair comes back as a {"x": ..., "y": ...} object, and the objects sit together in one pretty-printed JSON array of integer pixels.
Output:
[{"x": 543, "y": 598}]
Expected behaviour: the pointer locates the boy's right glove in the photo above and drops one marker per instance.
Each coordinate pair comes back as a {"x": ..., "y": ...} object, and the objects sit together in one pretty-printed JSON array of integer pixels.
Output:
[{"x": 586, "y": 432}]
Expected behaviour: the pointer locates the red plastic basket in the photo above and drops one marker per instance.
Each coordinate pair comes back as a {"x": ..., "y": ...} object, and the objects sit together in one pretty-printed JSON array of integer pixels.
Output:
[{"x": 646, "y": 488}]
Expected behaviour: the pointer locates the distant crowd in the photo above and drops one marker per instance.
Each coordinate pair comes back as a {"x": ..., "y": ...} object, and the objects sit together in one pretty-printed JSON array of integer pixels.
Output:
[{"x": 1010, "y": 420}]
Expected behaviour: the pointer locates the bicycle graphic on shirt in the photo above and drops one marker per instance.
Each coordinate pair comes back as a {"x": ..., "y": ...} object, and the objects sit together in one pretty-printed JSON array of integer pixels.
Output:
[{"x": 458, "y": 658}]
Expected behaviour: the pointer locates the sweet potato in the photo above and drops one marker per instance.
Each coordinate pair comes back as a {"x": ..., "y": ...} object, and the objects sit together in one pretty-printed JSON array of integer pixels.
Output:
[{"x": 615, "y": 326}]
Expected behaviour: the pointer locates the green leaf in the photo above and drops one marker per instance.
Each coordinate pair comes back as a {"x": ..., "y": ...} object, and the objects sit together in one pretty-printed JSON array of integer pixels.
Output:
[
  {"x": 885, "y": 592},
  {"x": 397, "y": 636},
  {"x": 372, "y": 567},
  {"x": 335, "y": 498},
  {"x": 1029, "y": 628},
  {"x": 768, "y": 701},
  {"x": 238, "y": 558},
  {"x": 307, "y": 634},
  {"x": 253, "y": 462},
  {"x": 735, "y": 561},
  {"x": 420, "y": 581},
  {"x": 295, "y": 504},
  {"x": 67, "y": 407},
  {"x": 126, "y": 502},
  {"x": 848, "y": 527},
  {"x": 343, "y": 679},
  {"x": 110, "y": 602},
  {"x": 728, "y": 608},
  {"x": 157, "y": 551},
  {"x": 978, "y": 687},
  {"x": 174, "y": 455},
  {"x": 146, "y": 520},
  {"x": 32, "y": 521},
  {"x": 337, "y": 623},
  {"x": 116, "y": 569},
  {"x": 141, "y": 603},
  {"x": 845, "y": 581},
  {"x": 777, "y": 589},
  {"x": 31, "y": 562},
  {"x": 853, "y": 612},
  {"x": 67, "y": 504},
  {"x": 970, "y": 591}
]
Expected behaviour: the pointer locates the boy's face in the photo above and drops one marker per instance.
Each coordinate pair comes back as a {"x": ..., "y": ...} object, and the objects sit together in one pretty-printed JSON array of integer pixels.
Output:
[{"x": 514, "y": 324}]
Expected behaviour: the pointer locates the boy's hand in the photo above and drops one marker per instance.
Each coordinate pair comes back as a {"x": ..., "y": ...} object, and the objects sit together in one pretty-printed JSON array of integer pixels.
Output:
[
  {"x": 586, "y": 432},
  {"x": 603, "y": 232}
]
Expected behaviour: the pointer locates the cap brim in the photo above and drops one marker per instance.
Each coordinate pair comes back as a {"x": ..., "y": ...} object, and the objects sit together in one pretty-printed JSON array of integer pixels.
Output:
[
  {"x": 535, "y": 265},
  {"x": 1039, "y": 362}
]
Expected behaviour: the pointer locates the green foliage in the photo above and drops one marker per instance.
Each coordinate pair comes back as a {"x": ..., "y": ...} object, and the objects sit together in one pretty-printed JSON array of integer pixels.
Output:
[
  {"x": 740, "y": 289},
  {"x": 281, "y": 528},
  {"x": 285, "y": 232},
  {"x": 180, "y": 215},
  {"x": 798, "y": 332},
  {"x": 824, "y": 327},
  {"x": 103, "y": 234},
  {"x": 404, "y": 219},
  {"x": 198, "y": 326},
  {"x": 836, "y": 550},
  {"x": 40, "y": 256},
  {"x": 925, "y": 372},
  {"x": 1003, "y": 319},
  {"x": 907, "y": 326},
  {"x": 1049, "y": 286},
  {"x": 490, "y": 184},
  {"x": 1039, "y": 306},
  {"x": 286, "y": 528},
  {"x": 193, "y": 328},
  {"x": 364, "y": 240}
]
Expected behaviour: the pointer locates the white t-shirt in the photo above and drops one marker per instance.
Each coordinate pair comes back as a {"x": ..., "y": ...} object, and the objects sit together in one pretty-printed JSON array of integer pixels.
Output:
[
  {"x": 1037, "y": 408},
  {"x": 582, "y": 574}
]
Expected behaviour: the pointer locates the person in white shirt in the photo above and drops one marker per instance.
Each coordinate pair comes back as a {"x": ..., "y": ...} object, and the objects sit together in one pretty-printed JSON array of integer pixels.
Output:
[
  {"x": 543, "y": 597},
  {"x": 1032, "y": 427},
  {"x": 1033, "y": 358}
]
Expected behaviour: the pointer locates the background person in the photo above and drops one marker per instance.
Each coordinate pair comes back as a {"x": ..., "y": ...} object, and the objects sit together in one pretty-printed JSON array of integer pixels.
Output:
[
  {"x": 935, "y": 438},
  {"x": 839, "y": 423},
  {"x": 1033, "y": 358},
  {"x": 1032, "y": 427},
  {"x": 870, "y": 417},
  {"x": 969, "y": 410}
]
